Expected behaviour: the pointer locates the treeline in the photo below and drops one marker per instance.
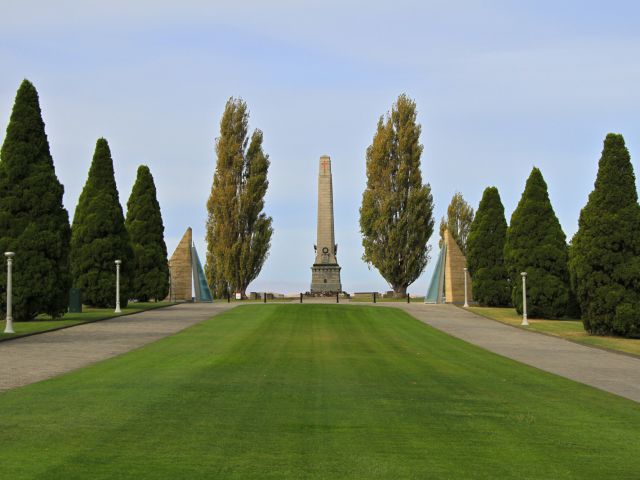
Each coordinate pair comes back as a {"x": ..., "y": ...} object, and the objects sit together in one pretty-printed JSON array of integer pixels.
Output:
[
  {"x": 53, "y": 256},
  {"x": 533, "y": 242},
  {"x": 595, "y": 277}
]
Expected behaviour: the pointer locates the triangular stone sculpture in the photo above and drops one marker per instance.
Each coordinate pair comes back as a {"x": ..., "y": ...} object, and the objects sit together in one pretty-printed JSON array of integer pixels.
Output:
[
  {"x": 186, "y": 270},
  {"x": 447, "y": 283},
  {"x": 201, "y": 287},
  {"x": 454, "y": 273},
  {"x": 180, "y": 270},
  {"x": 435, "y": 294}
]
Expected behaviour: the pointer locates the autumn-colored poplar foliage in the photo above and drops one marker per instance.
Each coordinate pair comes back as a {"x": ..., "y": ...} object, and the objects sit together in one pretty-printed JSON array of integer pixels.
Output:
[
  {"x": 458, "y": 221},
  {"x": 396, "y": 216},
  {"x": 238, "y": 231}
]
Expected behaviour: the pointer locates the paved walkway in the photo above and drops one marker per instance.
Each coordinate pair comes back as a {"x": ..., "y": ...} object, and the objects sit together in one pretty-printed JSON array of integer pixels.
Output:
[
  {"x": 30, "y": 359},
  {"x": 613, "y": 372}
]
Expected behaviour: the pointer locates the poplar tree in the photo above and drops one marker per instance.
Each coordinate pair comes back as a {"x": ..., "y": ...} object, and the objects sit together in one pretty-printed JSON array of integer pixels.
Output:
[
  {"x": 33, "y": 222},
  {"x": 536, "y": 244},
  {"x": 396, "y": 216},
  {"x": 458, "y": 221},
  {"x": 217, "y": 284},
  {"x": 485, "y": 252},
  {"x": 238, "y": 231},
  {"x": 146, "y": 232},
  {"x": 99, "y": 236},
  {"x": 605, "y": 251}
]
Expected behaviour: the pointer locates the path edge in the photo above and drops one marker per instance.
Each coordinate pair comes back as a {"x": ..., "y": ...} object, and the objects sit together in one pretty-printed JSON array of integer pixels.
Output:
[{"x": 597, "y": 347}]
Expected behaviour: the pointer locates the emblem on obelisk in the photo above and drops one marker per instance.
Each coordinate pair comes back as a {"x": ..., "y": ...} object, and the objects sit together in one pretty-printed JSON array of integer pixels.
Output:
[{"x": 325, "y": 272}]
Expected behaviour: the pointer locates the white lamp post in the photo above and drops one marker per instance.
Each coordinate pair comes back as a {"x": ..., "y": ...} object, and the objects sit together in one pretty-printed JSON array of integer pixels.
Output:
[
  {"x": 9, "y": 326},
  {"x": 466, "y": 303},
  {"x": 117, "y": 310},
  {"x": 525, "y": 322}
]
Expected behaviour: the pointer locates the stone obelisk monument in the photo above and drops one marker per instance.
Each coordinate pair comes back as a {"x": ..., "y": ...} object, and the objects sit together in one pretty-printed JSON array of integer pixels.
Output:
[{"x": 325, "y": 272}]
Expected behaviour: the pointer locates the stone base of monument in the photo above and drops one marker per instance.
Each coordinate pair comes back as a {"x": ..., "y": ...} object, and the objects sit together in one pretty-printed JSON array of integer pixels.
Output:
[
  {"x": 325, "y": 279},
  {"x": 326, "y": 294}
]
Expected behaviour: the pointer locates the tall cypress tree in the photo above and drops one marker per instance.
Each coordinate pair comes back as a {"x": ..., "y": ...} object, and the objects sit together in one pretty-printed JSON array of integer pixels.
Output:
[
  {"x": 485, "y": 252},
  {"x": 33, "y": 222},
  {"x": 238, "y": 231},
  {"x": 605, "y": 251},
  {"x": 396, "y": 216},
  {"x": 99, "y": 236},
  {"x": 536, "y": 244},
  {"x": 146, "y": 232}
]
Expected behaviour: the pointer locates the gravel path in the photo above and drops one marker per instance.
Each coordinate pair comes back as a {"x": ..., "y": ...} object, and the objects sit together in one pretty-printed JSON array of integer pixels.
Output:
[
  {"x": 31, "y": 359},
  {"x": 613, "y": 372}
]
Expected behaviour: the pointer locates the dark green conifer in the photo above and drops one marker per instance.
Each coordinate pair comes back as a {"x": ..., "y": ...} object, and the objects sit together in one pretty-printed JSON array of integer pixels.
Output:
[
  {"x": 485, "y": 252},
  {"x": 99, "y": 236},
  {"x": 146, "y": 232},
  {"x": 33, "y": 222},
  {"x": 605, "y": 251},
  {"x": 536, "y": 244}
]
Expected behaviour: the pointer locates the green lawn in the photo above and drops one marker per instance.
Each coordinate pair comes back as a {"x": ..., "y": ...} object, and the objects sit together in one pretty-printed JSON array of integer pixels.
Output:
[
  {"x": 569, "y": 329},
  {"x": 259, "y": 300},
  {"x": 44, "y": 323},
  {"x": 315, "y": 391}
]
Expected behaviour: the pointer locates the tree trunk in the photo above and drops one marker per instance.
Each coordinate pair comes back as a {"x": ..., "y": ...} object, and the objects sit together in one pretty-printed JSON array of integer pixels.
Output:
[{"x": 399, "y": 291}]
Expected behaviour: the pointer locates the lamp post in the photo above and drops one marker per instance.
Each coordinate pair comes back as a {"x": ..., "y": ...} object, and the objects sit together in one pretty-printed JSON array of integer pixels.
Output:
[
  {"x": 525, "y": 322},
  {"x": 9, "y": 326},
  {"x": 466, "y": 303},
  {"x": 117, "y": 310}
]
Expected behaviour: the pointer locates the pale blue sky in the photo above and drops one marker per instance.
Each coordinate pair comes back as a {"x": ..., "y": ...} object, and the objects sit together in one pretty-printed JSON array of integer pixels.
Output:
[{"x": 500, "y": 87}]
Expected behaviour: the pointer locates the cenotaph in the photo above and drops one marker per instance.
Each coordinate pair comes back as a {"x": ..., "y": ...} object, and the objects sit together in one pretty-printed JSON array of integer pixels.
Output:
[{"x": 325, "y": 272}]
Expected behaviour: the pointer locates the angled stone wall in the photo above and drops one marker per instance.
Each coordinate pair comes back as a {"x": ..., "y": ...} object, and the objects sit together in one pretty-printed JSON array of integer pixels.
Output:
[
  {"x": 180, "y": 266},
  {"x": 455, "y": 262}
]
